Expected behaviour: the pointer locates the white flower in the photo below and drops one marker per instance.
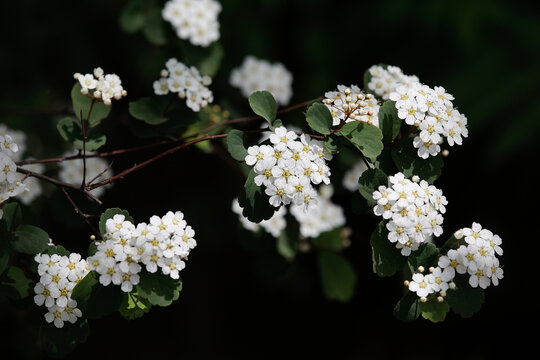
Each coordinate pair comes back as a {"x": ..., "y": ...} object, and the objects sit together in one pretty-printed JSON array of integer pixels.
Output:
[
  {"x": 413, "y": 210},
  {"x": 258, "y": 75},
  {"x": 105, "y": 87},
  {"x": 350, "y": 104},
  {"x": 187, "y": 82},
  {"x": 194, "y": 20},
  {"x": 439, "y": 278},
  {"x": 420, "y": 285},
  {"x": 97, "y": 169},
  {"x": 321, "y": 217},
  {"x": 57, "y": 315}
]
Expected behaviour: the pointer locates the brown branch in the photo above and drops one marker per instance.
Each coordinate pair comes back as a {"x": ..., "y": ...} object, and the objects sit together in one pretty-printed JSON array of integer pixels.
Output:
[
  {"x": 164, "y": 142},
  {"x": 58, "y": 183},
  {"x": 84, "y": 215},
  {"x": 136, "y": 167}
]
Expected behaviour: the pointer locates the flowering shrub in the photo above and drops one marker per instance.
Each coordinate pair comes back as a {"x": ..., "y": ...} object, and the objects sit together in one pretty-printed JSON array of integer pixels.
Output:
[{"x": 395, "y": 127}]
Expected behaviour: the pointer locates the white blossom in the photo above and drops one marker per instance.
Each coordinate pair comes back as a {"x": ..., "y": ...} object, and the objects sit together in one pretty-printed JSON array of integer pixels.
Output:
[
  {"x": 194, "y": 20},
  {"x": 258, "y": 75},
  {"x": 186, "y": 82}
]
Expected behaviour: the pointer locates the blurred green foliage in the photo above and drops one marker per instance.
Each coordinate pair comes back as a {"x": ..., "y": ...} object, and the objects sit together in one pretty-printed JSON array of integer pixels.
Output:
[{"x": 486, "y": 53}]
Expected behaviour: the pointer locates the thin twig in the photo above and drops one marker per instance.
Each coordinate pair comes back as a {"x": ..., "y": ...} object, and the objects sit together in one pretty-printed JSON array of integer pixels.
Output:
[
  {"x": 84, "y": 215},
  {"x": 152, "y": 159}
]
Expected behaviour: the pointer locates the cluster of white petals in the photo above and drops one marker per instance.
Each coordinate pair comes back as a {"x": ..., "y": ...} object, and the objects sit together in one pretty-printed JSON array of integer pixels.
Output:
[
  {"x": 289, "y": 167},
  {"x": 58, "y": 276},
  {"x": 432, "y": 111},
  {"x": 258, "y": 75},
  {"x": 351, "y": 104},
  {"x": 187, "y": 82},
  {"x": 476, "y": 259},
  {"x": 413, "y": 210},
  {"x": 10, "y": 180},
  {"x": 100, "y": 86},
  {"x": 163, "y": 243},
  {"x": 323, "y": 217},
  {"x": 194, "y": 20},
  {"x": 274, "y": 226},
  {"x": 97, "y": 169},
  {"x": 384, "y": 81},
  {"x": 32, "y": 185}
]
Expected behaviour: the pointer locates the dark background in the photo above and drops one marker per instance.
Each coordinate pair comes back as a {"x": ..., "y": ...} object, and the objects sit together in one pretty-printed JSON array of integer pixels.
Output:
[{"x": 240, "y": 298}]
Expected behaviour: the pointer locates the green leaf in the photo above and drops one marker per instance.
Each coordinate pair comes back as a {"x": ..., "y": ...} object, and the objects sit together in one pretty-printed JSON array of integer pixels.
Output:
[
  {"x": 109, "y": 213},
  {"x": 206, "y": 59},
  {"x": 93, "y": 142},
  {"x": 365, "y": 137},
  {"x": 82, "y": 104},
  {"x": 254, "y": 201},
  {"x": 407, "y": 308},
  {"x": 159, "y": 289},
  {"x": 426, "y": 255},
  {"x": 235, "y": 145},
  {"x": 333, "y": 144},
  {"x": 4, "y": 253},
  {"x": 72, "y": 133},
  {"x": 329, "y": 240},
  {"x": 59, "y": 342},
  {"x": 367, "y": 79},
  {"x": 369, "y": 181},
  {"x": 409, "y": 163},
  {"x": 12, "y": 216},
  {"x": 389, "y": 122},
  {"x": 94, "y": 299},
  {"x": 451, "y": 243},
  {"x": 433, "y": 310},
  {"x": 338, "y": 277},
  {"x": 286, "y": 245},
  {"x": 148, "y": 110},
  {"x": 319, "y": 118},
  {"x": 154, "y": 30},
  {"x": 29, "y": 239},
  {"x": 68, "y": 129},
  {"x": 133, "y": 306},
  {"x": 263, "y": 104},
  {"x": 386, "y": 258},
  {"x": 14, "y": 284},
  {"x": 465, "y": 300},
  {"x": 58, "y": 250},
  {"x": 83, "y": 290},
  {"x": 132, "y": 17},
  {"x": 92, "y": 248}
]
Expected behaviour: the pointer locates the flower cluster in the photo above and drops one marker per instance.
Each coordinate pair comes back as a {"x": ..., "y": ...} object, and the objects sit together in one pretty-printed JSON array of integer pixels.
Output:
[
  {"x": 163, "y": 243},
  {"x": 187, "y": 82},
  {"x": 196, "y": 20},
  {"x": 351, "y": 104},
  {"x": 274, "y": 226},
  {"x": 384, "y": 81},
  {"x": 58, "y": 276},
  {"x": 478, "y": 260},
  {"x": 413, "y": 209},
  {"x": 97, "y": 169},
  {"x": 10, "y": 184},
  {"x": 324, "y": 216},
  {"x": 290, "y": 167},
  {"x": 100, "y": 86},
  {"x": 257, "y": 75},
  {"x": 430, "y": 110},
  {"x": 33, "y": 185}
]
